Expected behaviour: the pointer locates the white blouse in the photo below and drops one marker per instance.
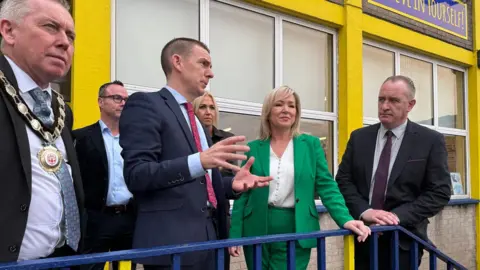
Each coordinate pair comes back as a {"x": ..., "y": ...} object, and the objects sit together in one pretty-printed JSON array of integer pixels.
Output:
[{"x": 281, "y": 192}]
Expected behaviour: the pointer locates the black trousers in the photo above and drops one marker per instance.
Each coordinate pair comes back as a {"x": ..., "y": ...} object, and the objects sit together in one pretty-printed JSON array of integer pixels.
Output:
[
  {"x": 108, "y": 230},
  {"x": 362, "y": 254}
]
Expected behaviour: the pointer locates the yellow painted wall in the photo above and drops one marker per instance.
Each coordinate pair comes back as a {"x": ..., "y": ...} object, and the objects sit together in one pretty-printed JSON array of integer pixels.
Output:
[{"x": 91, "y": 60}]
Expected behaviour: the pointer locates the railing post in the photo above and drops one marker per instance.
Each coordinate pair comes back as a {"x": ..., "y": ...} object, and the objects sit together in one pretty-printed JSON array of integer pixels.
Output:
[
  {"x": 220, "y": 255},
  {"x": 433, "y": 261},
  {"x": 414, "y": 255},
  {"x": 176, "y": 259},
  {"x": 449, "y": 266},
  {"x": 374, "y": 251},
  {"x": 291, "y": 255},
  {"x": 395, "y": 254},
  {"x": 348, "y": 252},
  {"x": 321, "y": 258},
  {"x": 257, "y": 257}
]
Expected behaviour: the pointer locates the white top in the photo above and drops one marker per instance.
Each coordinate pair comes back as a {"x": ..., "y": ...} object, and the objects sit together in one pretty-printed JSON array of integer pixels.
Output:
[
  {"x": 282, "y": 193},
  {"x": 45, "y": 213}
]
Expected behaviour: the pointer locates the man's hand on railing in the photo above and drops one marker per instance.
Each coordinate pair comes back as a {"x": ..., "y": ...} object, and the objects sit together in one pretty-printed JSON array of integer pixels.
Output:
[
  {"x": 359, "y": 228},
  {"x": 380, "y": 217},
  {"x": 234, "y": 251}
]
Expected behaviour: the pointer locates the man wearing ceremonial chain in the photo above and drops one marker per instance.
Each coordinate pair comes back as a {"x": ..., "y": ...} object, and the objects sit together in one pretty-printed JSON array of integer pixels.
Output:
[{"x": 41, "y": 194}]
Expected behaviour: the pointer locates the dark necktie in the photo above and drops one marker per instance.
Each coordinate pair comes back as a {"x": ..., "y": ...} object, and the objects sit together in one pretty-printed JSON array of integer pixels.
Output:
[
  {"x": 381, "y": 175},
  {"x": 193, "y": 124},
  {"x": 72, "y": 216}
]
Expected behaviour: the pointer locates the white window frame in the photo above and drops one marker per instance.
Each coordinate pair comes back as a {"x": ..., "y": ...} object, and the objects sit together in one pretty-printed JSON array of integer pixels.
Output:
[
  {"x": 446, "y": 131},
  {"x": 253, "y": 108}
]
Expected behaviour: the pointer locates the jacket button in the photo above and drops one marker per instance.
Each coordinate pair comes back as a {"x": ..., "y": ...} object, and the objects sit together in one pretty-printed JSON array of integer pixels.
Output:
[
  {"x": 202, "y": 181},
  {"x": 12, "y": 248},
  {"x": 204, "y": 209},
  {"x": 297, "y": 200},
  {"x": 23, "y": 208}
]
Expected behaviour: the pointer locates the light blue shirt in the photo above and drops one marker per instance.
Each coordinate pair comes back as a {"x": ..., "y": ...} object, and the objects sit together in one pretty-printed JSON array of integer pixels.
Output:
[
  {"x": 194, "y": 164},
  {"x": 118, "y": 193}
]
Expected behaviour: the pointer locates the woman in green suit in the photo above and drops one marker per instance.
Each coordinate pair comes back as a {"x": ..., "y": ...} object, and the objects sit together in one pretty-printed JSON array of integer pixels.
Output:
[{"x": 299, "y": 168}]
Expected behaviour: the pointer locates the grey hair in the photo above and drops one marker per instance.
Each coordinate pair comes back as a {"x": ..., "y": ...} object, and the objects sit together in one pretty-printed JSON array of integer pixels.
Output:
[
  {"x": 16, "y": 10},
  {"x": 406, "y": 80}
]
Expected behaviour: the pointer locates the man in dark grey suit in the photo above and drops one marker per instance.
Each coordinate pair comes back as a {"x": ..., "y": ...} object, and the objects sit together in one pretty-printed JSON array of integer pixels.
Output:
[
  {"x": 41, "y": 193},
  {"x": 394, "y": 172}
]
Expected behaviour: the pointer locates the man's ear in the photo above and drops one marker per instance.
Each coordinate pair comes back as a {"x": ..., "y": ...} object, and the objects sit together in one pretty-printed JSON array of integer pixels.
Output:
[{"x": 6, "y": 30}]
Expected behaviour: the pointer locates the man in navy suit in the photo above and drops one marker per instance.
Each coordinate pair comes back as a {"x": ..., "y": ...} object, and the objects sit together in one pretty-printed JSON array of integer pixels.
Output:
[{"x": 170, "y": 167}]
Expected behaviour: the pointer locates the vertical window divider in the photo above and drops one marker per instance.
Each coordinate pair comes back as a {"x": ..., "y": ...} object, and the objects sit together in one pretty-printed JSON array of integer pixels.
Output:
[
  {"x": 435, "y": 94},
  {"x": 278, "y": 50},
  {"x": 204, "y": 24}
]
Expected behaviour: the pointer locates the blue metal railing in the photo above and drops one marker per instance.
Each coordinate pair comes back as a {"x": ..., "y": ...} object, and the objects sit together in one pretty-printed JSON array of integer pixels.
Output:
[{"x": 220, "y": 245}]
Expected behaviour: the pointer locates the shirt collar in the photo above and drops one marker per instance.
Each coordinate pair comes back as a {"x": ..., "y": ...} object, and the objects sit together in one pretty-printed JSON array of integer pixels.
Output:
[
  {"x": 24, "y": 81},
  {"x": 178, "y": 97},
  {"x": 397, "y": 132}
]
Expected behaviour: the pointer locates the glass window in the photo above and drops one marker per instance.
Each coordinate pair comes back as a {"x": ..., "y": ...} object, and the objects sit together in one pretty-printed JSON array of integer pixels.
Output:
[
  {"x": 307, "y": 65},
  {"x": 451, "y": 100},
  {"x": 378, "y": 65},
  {"x": 457, "y": 163},
  {"x": 242, "y": 49},
  {"x": 421, "y": 73},
  {"x": 142, "y": 30}
]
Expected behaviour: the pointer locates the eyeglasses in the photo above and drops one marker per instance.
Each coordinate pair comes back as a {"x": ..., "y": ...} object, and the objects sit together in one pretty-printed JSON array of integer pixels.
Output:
[{"x": 116, "y": 98}]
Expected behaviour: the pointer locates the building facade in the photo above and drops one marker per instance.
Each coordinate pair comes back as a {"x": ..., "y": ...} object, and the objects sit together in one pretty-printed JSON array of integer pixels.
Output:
[{"x": 334, "y": 53}]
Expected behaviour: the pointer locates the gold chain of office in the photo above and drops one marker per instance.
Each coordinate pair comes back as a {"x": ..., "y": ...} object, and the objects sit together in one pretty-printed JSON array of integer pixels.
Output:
[{"x": 49, "y": 156}]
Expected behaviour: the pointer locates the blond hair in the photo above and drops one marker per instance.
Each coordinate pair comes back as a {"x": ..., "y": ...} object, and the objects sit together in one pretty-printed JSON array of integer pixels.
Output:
[
  {"x": 198, "y": 101},
  {"x": 272, "y": 97}
]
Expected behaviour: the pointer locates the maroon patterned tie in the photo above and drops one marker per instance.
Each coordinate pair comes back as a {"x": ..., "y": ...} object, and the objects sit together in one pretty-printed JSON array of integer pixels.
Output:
[
  {"x": 381, "y": 175},
  {"x": 191, "y": 116}
]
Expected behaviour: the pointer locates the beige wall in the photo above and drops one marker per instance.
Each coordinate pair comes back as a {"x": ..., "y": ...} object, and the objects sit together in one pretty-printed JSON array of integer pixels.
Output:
[{"x": 452, "y": 231}]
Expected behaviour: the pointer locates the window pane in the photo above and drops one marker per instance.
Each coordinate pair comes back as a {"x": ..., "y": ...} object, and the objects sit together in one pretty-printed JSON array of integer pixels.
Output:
[
  {"x": 242, "y": 46},
  {"x": 450, "y": 98},
  {"x": 421, "y": 74},
  {"x": 457, "y": 163},
  {"x": 307, "y": 65},
  {"x": 249, "y": 126},
  {"x": 378, "y": 65},
  {"x": 137, "y": 61}
]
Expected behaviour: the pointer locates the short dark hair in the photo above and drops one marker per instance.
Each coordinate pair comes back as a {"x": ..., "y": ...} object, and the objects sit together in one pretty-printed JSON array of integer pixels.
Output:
[
  {"x": 104, "y": 87},
  {"x": 406, "y": 80},
  {"x": 181, "y": 46}
]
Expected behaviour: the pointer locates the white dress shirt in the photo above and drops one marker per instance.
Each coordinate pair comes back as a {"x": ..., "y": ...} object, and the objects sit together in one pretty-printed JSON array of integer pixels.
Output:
[
  {"x": 397, "y": 139},
  {"x": 281, "y": 189},
  {"x": 45, "y": 213}
]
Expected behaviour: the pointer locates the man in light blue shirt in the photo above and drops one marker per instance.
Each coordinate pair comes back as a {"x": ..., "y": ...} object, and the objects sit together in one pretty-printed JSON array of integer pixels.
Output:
[{"x": 111, "y": 213}]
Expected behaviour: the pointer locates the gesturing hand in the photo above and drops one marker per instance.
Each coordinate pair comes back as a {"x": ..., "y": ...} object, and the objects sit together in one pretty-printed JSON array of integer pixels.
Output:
[
  {"x": 357, "y": 227},
  {"x": 244, "y": 180},
  {"x": 234, "y": 251},
  {"x": 217, "y": 155},
  {"x": 380, "y": 217}
]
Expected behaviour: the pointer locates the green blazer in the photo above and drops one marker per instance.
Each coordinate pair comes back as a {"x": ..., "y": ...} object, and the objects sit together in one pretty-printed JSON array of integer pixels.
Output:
[{"x": 250, "y": 211}]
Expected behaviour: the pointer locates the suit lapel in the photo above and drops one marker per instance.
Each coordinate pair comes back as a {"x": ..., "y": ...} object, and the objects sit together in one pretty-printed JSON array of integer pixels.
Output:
[
  {"x": 264, "y": 157},
  {"x": 175, "y": 107},
  {"x": 403, "y": 153},
  {"x": 18, "y": 123},
  {"x": 299, "y": 151},
  {"x": 97, "y": 139},
  {"x": 370, "y": 142}
]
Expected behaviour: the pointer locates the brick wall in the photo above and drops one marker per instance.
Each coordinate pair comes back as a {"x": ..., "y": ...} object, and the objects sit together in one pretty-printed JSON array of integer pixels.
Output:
[
  {"x": 422, "y": 28},
  {"x": 452, "y": 231}
]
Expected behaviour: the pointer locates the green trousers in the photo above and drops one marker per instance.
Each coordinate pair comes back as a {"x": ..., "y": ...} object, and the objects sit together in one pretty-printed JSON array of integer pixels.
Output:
[{"x": 274, "y": 255}]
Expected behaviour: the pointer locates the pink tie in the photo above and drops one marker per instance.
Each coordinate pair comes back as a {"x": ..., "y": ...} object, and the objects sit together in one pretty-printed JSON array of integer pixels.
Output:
[{"x": 211, "y": 193}]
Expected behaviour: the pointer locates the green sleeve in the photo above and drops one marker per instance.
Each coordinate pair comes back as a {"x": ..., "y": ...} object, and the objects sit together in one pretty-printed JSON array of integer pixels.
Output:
[
  {"x": 236, "y": 225},
  {"x": 328, "y": 190}
]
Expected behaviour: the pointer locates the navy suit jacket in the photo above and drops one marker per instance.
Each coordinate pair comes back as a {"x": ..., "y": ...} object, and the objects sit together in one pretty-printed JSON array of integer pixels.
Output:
[{"x": 156, "y": 142}]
